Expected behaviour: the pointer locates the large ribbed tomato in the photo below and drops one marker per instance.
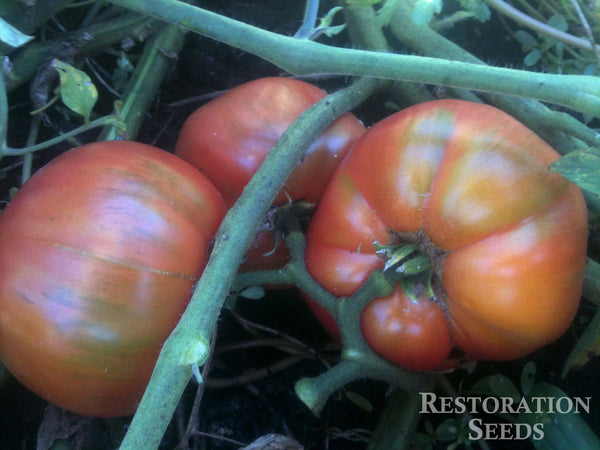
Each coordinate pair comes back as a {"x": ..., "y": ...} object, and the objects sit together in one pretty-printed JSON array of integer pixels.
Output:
[
  {"x": 505, "y": 235},
  {"x": 99, "y": 252},
  {"x": 229, "y": 138}
]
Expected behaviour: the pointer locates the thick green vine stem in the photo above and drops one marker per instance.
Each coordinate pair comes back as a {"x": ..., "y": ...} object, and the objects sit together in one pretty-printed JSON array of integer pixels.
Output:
[
  {"x": 550, "y": 124},
  {"x": 301, "y": 56},
  {"x": 174, "y": 367},
  {"x": 294, "y": 272},
  {"x": 160, "y": 52},
  {"x": 358, "y": 359},
  {"x": 315, "y": 391},
  {"x": 398, "y": 422}
]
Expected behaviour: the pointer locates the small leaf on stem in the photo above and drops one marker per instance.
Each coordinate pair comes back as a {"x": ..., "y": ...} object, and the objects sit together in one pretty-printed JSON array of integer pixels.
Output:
[{"x": 76, "y": 89}]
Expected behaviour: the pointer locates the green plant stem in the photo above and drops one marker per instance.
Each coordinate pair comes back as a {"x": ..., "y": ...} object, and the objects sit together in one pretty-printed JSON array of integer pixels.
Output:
[
  {"x": 296, "y": 268},
  {"x": 358, "y": 358},
  {"x": 300, "y": 57},
  {"x": 27, "y": 61},
  {"x": 348, "y": 310},
  {"x": 310, "y": 18},
  {"x": 364, "y": 28},
  {"x": 586, "y": 26},
  {"x": 31, "y": 140},
  {"x": 398, "y": 421},
  {"x": 315, "y": 391},
  {"x": 100, "y": 122},
  {"x": 591, "y": 282},
  {"x": 294, "y": 272},
  {"x": 261, "y": 278},
  {"x": 554, "y": 126},
  {"x": 586, "y": 347},
  {"x": 365, "y": 32},
  {"x": 158, "y": 57},
  {"x": 188, "y": 345},
  {"x": 533, "y": 24},
  {"x": 3, "y": 110}
]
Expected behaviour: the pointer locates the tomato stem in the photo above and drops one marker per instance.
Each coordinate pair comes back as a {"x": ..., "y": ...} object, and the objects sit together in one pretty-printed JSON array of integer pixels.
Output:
[
  {"x": 357, "y": 357},
  {"x": 398, "y": 421},
  {"x": 554, "y": 126},
  {"x": 234, "y": 237},
  {"x": 301, "y": 56},
  {"x": 310, "y": 18},
  {"x": 159, "y": 53},
  {"x": 315, "y": 391},
  {"x": 100, "y": 122}
]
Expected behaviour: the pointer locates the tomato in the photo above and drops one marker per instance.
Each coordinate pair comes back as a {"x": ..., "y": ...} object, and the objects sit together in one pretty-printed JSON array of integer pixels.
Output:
[
  {"x": 99, "y": 253},
  {"x": 505, "y": 236},
  {"x": 228, "y": 138}
]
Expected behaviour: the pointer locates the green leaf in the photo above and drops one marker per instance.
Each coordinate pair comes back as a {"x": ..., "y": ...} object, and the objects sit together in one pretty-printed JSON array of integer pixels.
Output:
[
  {"x": 253, "y": 292},
  {"x": 325, "y": 26},
  {"x": 326, "y": 21},
  {"x": 556, "y": 430},
  {"x": 415, "y": 265},
  {"x": 11, "y": 36},
  {"x": 122, "y": 72},
  {"x": 333, "y": 31},
  {"x": 360, "y": 401},
  {"x": 559, "y": 22},
  {"x": 386, "y": 12},
  {"x": 424, "y": 11},
  {"x": 478, "y": 9},
  {"x": 527, "y": 40},
  {"x": 447, "y": 431},
  {"x": 532, "y": 57},
  {"x": 77, "y": 91},
  {"x": 587, "y": 347},
  {"x": 528, "y": 377},
  {"x": 362, "y": 3},
  {"x": 410, "y": 286},
  {"x": 393, "y": 254},
  {"x": 496, "y": 385},
  {"x": 582, "y": 167}
]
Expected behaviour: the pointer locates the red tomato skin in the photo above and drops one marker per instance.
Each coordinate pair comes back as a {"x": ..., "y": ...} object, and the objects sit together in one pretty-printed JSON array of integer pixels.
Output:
[
  {"x": 99, "y": 253},
  {"x": 476, "y": 182},
  {"x": 419, "y": 325},
  {"x": 229, "y": 137}
]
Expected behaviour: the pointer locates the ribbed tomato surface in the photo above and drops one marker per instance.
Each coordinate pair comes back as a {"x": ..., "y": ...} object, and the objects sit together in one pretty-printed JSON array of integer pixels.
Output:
[
  {"x": 99, "y": 252},
  {"x": 507, "y": 237}
]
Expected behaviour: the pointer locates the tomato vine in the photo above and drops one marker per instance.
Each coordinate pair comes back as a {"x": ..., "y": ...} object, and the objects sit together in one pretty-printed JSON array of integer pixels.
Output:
[
  {"x": 189, "y": 343},
  {"x": 447, "y": 65},
  {"x": 307, "y": 57}
]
